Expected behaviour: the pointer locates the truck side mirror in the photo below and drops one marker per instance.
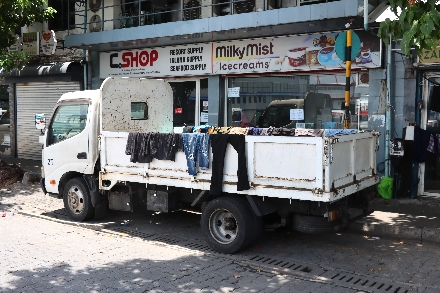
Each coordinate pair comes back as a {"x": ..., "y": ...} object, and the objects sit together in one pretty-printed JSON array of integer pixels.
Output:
[{"x": 40, "y": 121}]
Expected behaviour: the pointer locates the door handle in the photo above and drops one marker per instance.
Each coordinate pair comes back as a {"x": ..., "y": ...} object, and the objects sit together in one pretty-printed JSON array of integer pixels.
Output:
[{"x": 82, "y": 155}]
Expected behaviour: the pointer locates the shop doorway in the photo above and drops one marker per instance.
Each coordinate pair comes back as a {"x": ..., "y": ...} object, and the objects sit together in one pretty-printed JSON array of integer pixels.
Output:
[
  {"x": 430, "y": 121},
  {"x": 190, "y": 101}
]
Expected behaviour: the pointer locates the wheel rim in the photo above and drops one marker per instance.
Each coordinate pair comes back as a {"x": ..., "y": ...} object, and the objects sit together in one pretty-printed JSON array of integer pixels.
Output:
[
  {"x": 75, "y": 199},
  {"x": 223, "y": 226}
]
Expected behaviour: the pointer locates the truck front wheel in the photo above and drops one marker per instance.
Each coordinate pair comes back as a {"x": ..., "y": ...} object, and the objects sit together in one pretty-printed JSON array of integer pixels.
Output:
[
  {"x": 227, "y": 224},
  {"x": 77, "y": 200}
]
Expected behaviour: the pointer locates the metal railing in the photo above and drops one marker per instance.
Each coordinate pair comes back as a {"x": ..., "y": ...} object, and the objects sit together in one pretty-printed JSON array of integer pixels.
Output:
[{"x": 91, "y": 18}]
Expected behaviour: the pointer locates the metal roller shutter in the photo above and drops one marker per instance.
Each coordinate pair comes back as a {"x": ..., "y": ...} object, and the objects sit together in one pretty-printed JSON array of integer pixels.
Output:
[{"x": 33, "y": 98}]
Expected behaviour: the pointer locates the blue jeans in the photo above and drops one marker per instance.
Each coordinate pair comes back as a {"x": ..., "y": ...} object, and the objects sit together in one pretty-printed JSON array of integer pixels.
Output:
[{"x": 196, "y": 146}]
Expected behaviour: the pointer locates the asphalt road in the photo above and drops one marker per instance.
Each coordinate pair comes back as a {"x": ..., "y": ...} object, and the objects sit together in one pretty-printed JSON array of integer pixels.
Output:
[{"x": 42, "y": 251}]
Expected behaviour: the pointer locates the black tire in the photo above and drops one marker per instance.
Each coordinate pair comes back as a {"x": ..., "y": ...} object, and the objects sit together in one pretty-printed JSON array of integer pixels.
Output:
[
  {"x": 257, "y": 223},
  {"x": 313, "y": 225},
  {"x": 227, "y": 224},
  {"x": 77, "y": 201}
]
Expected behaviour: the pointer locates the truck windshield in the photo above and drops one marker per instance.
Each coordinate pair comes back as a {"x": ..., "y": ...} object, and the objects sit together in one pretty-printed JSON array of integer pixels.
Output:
[{"x": 69, "y": 120}]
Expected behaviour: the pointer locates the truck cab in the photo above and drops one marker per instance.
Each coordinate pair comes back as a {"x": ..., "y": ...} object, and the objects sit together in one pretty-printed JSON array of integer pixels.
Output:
[{"x": 70, "y": 144}]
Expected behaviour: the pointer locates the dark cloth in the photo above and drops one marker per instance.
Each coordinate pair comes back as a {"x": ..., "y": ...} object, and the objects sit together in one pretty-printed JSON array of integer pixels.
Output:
[
  {"x": 254, "y": 131},
  {"x": 188, "y": 129},
  {"x": 163, "y": 146},
  {"x": 267, "y": 131},
  {"x": 219, "y": 143},
  {"x": 282, "y": 131},
  {"x": 434, "y": 99},
  {"x": 433, "y": 143},
  {"x": 168, "y": 145},
  {"x": 421, "y": 141},
  {"x": 143, "y": 147},
  {"x": 130, "y": 148}
]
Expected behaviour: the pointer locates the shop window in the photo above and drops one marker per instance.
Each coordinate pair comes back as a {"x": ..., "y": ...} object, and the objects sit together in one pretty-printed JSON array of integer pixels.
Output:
[
  {"x": 139, "y": 111},
  {"x": 64, "y": 16},
  {"x": 68, "y": 121},
  {"x": 320, "y": 114}
]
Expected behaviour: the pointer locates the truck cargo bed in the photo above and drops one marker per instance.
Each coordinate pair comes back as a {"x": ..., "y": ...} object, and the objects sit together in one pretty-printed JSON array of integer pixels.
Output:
[{"x": 306, "y": 168}]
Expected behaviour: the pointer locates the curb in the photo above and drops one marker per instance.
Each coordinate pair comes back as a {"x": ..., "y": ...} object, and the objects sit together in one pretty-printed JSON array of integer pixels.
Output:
[
  {"x": 96, "y": 227},
  {"x": 420, "y": 234}
]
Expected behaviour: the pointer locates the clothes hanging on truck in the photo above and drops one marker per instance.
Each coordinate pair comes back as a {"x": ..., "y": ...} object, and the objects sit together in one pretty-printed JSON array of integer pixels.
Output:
[
  {"x": 196, "y": 147},
  {"x": 143, "y": 147},
  {"x": 219, "y": 143}
]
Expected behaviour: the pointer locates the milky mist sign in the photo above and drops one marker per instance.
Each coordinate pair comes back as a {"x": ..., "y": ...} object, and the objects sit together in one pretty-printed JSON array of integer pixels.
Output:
[
  {"x": 291, "y": 53},
  {"x": 192, "y": 59}
]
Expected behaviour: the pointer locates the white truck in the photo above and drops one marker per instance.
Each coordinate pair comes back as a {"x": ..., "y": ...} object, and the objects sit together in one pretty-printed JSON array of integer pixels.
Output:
[{"x": 313, "y": 184}]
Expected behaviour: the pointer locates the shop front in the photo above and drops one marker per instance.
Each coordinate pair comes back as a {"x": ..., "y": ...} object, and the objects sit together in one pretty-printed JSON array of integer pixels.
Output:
[
  {"x": 231, "y": 83},
  {"x": 427, "y": 133},
  {"x": 36, "y": 90},
  {"x": 5, "y": 134}
]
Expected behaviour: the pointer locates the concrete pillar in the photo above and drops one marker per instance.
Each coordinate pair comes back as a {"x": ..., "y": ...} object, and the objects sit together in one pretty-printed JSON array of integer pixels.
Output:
[
  {"x": 259, "y": 5},
  {"x": 206, "y": 10},
  {"x": 216, "y": 100}
]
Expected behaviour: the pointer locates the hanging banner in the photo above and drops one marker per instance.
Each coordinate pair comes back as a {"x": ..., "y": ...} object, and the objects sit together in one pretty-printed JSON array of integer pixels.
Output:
[
  {"x": 31, "y": 43},
  {"x": 192, "y": 59},
  {"x": 291, "y": 53}
]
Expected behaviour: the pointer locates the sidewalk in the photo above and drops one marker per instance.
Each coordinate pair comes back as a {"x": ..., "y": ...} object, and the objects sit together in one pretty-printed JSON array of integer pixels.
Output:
[{"x": 415, "y": 219}]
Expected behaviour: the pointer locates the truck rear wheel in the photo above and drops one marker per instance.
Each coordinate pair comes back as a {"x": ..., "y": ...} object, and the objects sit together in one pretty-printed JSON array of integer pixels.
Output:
[
  {"x": 227, "y": 224},
  {"x": 77, "y": 201}
]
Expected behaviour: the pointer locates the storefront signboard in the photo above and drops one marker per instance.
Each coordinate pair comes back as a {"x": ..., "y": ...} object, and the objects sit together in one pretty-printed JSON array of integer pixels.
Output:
[
  {"x": 276, "y": 54},
  {"x": 192, "y": 59},
  {"x": 31, "y": 43},
  {"x": 291, "y": 53},
  {"x": 48, "y": 42},
  {"x": 430, "y": 56}
]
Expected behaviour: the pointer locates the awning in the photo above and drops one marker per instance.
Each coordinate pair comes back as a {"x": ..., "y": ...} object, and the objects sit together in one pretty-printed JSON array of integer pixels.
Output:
[{"x": 63, "y": 71}]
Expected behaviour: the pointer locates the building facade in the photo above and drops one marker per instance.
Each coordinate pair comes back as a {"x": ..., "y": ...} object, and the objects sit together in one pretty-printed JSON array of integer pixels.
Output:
[{"x": 227, "y": 60}]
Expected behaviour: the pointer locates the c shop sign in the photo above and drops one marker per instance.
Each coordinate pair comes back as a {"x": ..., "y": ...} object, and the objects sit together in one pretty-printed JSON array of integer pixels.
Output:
[{"x": 192, "y": 59}]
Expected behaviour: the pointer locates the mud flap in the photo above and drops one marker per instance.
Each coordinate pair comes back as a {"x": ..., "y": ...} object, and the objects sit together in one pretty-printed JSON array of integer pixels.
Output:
[
  {"x": 91, "y": 181},
  {"x": 101, "y": 209}
]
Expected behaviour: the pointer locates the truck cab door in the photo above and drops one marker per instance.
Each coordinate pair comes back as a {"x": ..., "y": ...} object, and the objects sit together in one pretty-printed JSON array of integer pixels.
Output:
[{"x": 67, "y": 147}]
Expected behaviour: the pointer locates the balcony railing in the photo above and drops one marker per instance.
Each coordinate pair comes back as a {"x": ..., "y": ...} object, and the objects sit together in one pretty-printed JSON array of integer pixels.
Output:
[{"x": 90, "y": 16}]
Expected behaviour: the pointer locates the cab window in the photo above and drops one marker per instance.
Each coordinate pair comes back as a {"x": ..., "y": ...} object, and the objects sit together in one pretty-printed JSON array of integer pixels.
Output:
[{"x": 69, "y": 120}]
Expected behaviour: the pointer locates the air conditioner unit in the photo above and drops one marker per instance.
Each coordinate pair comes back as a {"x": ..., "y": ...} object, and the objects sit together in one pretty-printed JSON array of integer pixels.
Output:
[
  {"x": 221, "y": 7},
  {"x": 244, "y": 6},
  {"x": 193, "y": 9},
  {"x": 95, "y": 21}
]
